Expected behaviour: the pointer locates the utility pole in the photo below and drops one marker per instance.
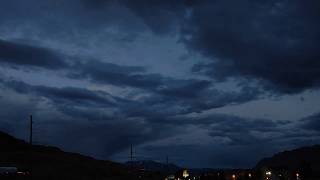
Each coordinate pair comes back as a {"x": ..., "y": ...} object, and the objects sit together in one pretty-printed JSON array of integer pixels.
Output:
[
  {"x": 31, "y": 131},
  {"x": 131, "y": 154},
  {"x": 131, "y": 159},
  {"x": 167, "y": 163},
  {"x": 167, "y": 160},
  {"x": 31, "y": 153}
]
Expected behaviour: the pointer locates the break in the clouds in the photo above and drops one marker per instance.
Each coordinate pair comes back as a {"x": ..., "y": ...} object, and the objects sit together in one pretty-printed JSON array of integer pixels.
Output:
[{"x": 177, "y": 77}]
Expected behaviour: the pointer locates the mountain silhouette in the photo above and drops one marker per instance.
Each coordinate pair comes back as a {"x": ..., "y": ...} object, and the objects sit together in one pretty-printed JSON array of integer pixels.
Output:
[
  {"x": 149, "y": 165},
  {"x": 305, "y": 160},
  {"x": 51, "y": 163}
]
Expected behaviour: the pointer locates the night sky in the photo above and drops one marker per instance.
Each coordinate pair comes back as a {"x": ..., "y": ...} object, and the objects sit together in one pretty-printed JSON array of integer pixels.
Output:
[{"x": 210, "y": 83}]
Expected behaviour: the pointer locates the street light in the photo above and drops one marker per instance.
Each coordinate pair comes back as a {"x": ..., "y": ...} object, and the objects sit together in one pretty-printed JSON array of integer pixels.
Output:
[{"x": 268, "y": 173}]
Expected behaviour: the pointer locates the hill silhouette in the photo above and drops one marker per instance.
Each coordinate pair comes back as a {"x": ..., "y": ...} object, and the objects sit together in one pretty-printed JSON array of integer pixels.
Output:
[
  {"x": 149, "y": 165},
  {"x": 51, "y": 163},
  {"x": 305, "y": 160}
]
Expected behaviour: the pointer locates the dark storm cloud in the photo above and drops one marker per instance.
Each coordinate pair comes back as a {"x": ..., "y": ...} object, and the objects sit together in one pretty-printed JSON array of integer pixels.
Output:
[
  {"x": 245, "y": 39},
  {"x": 27, "y": 55},
  {"x": 107, "y": 73},
  {"x": 67, "y": 95},
  {"x": 156, "y": 107},
  {"x": 136, "y": 76},
  {"x": 184, "y": 88},
  {"x": 236, "y": 130},
  {"x": 240, "y": 130},
  {"x": 273, "y": 41},
  {"x": 183, "y": 95},
  {"x": 253, "y": 40},
  {"x": 59, "y": 19},
  {"x": 312, "y": 122},
  {"x": 160, "y": 16},
  {"x": 160, "y": 105},
  {"x": 101, "y": 72}
]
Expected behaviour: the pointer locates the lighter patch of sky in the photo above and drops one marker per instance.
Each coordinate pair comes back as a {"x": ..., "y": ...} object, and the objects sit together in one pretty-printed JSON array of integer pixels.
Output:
[
  {"x": 160, "y": 54},
  {"x": 190, "y": 135}
]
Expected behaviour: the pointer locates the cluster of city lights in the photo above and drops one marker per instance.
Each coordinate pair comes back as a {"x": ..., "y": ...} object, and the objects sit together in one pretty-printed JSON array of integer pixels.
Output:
[
  {"x": 268, "y": 176},
  {"x": 269, "y": 173}
]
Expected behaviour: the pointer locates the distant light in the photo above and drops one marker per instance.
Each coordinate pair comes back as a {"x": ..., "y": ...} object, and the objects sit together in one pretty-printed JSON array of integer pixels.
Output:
[
  {"x": 249, "y": 175},
  {"x": 297, "y": 174},
  {"x": 268, "y": 173},
  {"x": 185, "y": 174},
  {"x": 233, "y": 176},
  {"x": 21, "y": 173}
]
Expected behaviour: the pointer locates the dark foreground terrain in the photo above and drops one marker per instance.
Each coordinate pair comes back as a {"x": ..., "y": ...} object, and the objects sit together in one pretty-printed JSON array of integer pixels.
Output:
[
  {"x": 304, "y": 162},
  {"x": 51, "y": 163}
]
